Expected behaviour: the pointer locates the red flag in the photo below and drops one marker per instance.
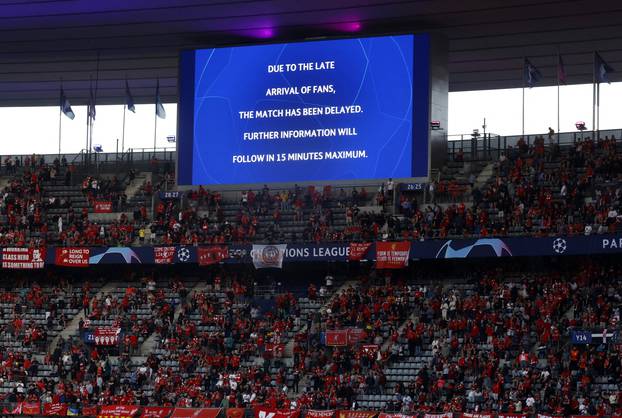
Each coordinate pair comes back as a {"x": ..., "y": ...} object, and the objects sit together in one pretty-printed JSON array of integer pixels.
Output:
[
  {"x": 235, "y": 412},
  {"x": 356, "y": 414},
  {"x": 72, "y": 256},
  {"x": 23, "y": 258},
  {"x": 392, "y": 255},
  {"x": 124, "y": 411},
  {"x": 383, "y": 415},
  {"x": 337, "y": 337},
  {"x": 102, "y": 206},
  {"x": 212, "y": 255},
  {"x": 163, "y": 255},
  {"x": 56, "y": 409},
  {"x": 89, "y": 411},
  {"x": 312, "y": 413},
  {"x": 156, "y": 412},
  {"x": 358, "y": 250},
  {"x": 355, "y": 335},
  {"x": 261, "y": 412},
  {"x": 370, "y": 349},
  {"x": 107, "y": 336},
  {"x": 31, "y": 408},
  {"x": 195, "y": 412}
]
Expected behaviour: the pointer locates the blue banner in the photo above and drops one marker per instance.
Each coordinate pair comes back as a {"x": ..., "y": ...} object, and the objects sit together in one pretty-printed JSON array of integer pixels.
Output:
[
  {"x": 88, "y": 336},
  {"x": 419, "y": 250},
  {"x": 581, "y": 337}
]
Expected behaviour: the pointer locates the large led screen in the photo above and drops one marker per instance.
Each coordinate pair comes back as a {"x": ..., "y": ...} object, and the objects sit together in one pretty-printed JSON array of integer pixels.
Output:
[{"x": 307, "y": 111}]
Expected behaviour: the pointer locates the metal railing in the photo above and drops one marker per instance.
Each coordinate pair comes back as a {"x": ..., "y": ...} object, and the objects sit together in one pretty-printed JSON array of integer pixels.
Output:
[
  {"x": 490, "y": 146},
  {"x": 131, "y": 154}
]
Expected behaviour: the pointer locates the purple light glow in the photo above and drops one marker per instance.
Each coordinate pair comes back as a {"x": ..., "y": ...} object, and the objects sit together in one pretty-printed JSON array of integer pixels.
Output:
[
  {"x": 349, "y": 26},
  {"x": 261, "y": 33}
]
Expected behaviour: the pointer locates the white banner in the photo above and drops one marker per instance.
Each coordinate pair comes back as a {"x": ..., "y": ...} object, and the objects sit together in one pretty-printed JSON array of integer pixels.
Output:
[{"x": 268, "y": 256}]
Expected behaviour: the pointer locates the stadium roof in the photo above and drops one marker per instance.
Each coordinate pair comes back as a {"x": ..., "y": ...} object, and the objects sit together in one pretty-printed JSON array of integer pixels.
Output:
[{"x": 44, "y": 41}]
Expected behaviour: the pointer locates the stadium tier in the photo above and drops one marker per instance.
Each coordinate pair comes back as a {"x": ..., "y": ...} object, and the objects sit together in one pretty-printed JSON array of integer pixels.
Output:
[
  {"x": 486, "y": 338},
  {"x": 305, "y": 236},
  {"x": 471, "y": 337},
  {"x": 540, "y": 189}
]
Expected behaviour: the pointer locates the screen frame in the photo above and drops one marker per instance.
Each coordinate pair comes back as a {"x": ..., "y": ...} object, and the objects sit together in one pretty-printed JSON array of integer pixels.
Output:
[{"x": 420, "y": 125}]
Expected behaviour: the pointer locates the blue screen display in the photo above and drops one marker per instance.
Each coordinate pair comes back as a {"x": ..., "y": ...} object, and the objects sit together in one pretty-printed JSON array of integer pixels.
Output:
[{"x": 310, "y": 111}]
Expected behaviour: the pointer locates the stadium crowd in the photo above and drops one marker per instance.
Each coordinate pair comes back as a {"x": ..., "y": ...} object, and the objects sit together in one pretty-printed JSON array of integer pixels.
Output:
[
  {"x": 485, "y": 338},
  {"x": 536, "y": 189}
]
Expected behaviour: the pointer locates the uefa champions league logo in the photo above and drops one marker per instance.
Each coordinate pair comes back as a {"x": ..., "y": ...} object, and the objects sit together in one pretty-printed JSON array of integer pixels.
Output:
[
  {"x": 559, "y": 245},
  {"x": 183, "y": 254},
  {"x": 496, "y": 246}
]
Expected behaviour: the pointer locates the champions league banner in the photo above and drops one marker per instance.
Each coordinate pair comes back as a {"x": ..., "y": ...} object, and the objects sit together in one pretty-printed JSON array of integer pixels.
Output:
[{"x": 419, "y": 250}]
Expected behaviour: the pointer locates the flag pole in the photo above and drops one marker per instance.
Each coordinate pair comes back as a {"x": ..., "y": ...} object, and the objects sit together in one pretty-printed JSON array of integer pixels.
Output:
[
  {"x": 597, "y": 110},
  {"x": 523, "y": 117},
  {"x": 155, "y": 130},
  {"x": 593, "y": 93},
  {"x": 123, "y": 132},
  {"x": 60, "y": 124},
  {"x": 88, "y": 122},
  {"x": 95, "y": 96},
  {"x": 558, "y": 82}
]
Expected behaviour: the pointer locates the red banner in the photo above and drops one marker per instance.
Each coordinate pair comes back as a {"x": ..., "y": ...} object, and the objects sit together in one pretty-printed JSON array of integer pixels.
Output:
[
  {"x": 195, "y": 412},
  {"x": 156, "y": 412},
  {"x": 121, "y": 411},
  {"x": 312, "y": 413},
  {"x": 23, "y": 258},
  {"x": 512, "y": 416},
  {"x": 276, "y": 348},
  {"x": 261, "y": 412},
  {"x": 370, "y": 349},
  {"x": 31, "y": 408},
  {"x": 212, "y": 255},
  {"x": 102, "y": 206},
  {"x": 445, "y": 415},
  {"x": 356, "y": 414},
  {"x": 337, "y": 338},
  {"x": 355, "y": 335},
  {"x": 89, "y": 411},
  {"x": 358, "y": 250},
  {"x": 163, "y": 255},
  {"x": 383, "y": 415},
  {"x": 465, "y": 415},
  {"x": 392, "y": 255},
  {"x": 72, "y": 256},
  {"x": 55, "y": 409},
  {"x": 235, "y": 412},
  {"x": 107, "y": 336}
]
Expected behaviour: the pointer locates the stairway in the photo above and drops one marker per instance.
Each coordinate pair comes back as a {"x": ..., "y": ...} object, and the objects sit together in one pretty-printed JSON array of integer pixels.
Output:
[
  {"x": 72, "y": 326},
  {"x": 486, "y": 174},
  {"x": 151, "y": 342},
  {"x": 134, "y": 186}
]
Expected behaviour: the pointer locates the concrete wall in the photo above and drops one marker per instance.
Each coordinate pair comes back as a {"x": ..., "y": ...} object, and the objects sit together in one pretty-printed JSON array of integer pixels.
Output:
[{"x": 439, "y": 98}]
